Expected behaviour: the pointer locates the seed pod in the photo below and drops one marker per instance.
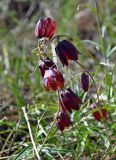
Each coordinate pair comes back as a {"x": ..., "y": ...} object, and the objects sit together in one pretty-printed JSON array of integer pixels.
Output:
[{"x": 84, "y": 81}]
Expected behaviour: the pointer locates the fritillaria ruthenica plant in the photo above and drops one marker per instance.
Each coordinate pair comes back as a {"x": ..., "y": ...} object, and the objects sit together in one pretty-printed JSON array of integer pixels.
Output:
[{"x": 53, "y": 78}]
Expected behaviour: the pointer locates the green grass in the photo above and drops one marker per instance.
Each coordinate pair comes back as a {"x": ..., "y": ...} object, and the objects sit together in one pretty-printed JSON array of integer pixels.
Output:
[{"x": 21, "y": 86}]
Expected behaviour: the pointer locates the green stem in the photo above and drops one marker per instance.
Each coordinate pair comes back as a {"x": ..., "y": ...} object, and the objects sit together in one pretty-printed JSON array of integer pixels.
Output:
[
  {"x": 100, "y": 26},
  {"x": 7, "y": 139},
  {"x": 49, "y": 132}
]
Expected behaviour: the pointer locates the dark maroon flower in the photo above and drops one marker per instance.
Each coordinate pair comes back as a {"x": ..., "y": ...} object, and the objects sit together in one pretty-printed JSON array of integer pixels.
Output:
[
  {"x": 66, "y": 51},
  {"x": 45, "y": 27},
  {"x": 45, "y": 64},
  {"x": 68, "y": 100},
  {"x": 100, "y": 112},
  {"x": 63, "y": 120},
  {"x": 53, "y": 79},
  {"x": 84, "y": 81}
]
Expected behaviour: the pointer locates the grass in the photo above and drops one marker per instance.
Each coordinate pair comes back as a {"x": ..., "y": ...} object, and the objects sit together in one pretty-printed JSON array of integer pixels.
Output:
[{"x": 27, "y": 110}]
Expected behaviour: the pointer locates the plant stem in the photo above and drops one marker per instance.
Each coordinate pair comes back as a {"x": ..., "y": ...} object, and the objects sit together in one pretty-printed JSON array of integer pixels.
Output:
[
  {"x": 9, "y": 136},
  {"x": 30, "y": 132},
  {"x": 49, "y": 132},
  {"x": 100, "y": 26}
]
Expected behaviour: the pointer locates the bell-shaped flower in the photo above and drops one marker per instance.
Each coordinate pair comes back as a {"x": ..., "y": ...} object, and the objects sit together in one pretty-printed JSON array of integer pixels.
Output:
[
  {"x": 99, "y": 113},
  {"x": 84, "y": 81},
  {"x": 53, "y": 79},
  {"x": 68, "y": 100},
  {"x": 45, "y": 27},
  {"x": 66, "y": 51},
  {"x": 45, "y": 64},
  {"x": 63, "y": 120}
]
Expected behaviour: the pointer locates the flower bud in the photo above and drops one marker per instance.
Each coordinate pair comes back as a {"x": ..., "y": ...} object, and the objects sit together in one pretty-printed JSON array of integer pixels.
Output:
[{"x": 84, "y": 81}]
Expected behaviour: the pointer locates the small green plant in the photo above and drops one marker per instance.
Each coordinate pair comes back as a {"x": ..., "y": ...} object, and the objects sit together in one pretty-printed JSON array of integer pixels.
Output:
[{"x": 53, "y": 78}]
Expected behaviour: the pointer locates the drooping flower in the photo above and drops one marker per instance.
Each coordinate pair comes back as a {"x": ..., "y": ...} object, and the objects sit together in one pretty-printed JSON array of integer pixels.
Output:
[
  {"x": 45, "y": 64},
  {"x": 63, "y": 120},
  {"x": 53, "y": 79},
  {"x": 84, "y": 81},
  {"x": 68, "y": 100},
  {"x": 99, "y": 113},
  {"x": 66, "y": 51},
  {"x": 45, "y": 27}
]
